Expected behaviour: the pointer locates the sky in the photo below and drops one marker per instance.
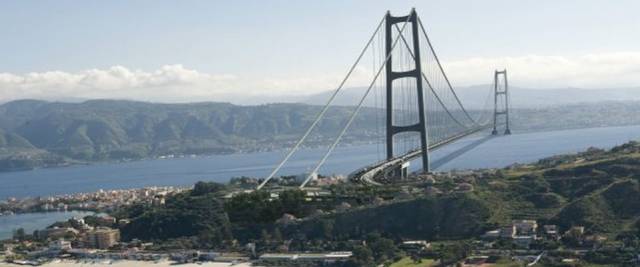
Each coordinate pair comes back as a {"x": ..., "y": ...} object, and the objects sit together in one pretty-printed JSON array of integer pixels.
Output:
[{"x": 182, "y": 51}]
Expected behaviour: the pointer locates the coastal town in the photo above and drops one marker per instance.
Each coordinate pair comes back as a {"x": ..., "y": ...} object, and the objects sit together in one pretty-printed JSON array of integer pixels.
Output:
[
  {"x": 99, "y": 201},
  {"x": 99, "y": 238},
  {"x": 522, "y": 241}
]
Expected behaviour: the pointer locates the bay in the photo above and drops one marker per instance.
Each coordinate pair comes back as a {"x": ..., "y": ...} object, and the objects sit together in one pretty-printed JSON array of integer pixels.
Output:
[
  {"x": 34, "y": 221},
  {"x": 490, "y": 153},
  {"x": 478, "y": 151}
]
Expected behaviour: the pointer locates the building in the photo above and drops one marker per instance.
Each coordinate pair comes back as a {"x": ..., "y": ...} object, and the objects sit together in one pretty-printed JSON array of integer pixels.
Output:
[
  {"x": 551, "y": 232},
  {"x": 330, "y": 257},
  {"x": 344, "y": 206},
  {"x": 524, "y": 241},
  {"x": 60, "y": 245},
  {"x": 575, "y": 231},
  {"x": 594, "y": 241},
  {"x": 300, "y": 178},
  {"x": 475, "y": 261},
  {"x": 101, "y": 238},
  {"x": 287, "y": 219},
  {"x": 464, "y": 187},
  {"x": 106, "y": 220},
  {"x": 508, "y": 232},
  {"x": 415, "y": 246},
  {"x": 491, "y": 235},
  {"x": 55, "y": 233},
  {"x": 525, "y": 227}
]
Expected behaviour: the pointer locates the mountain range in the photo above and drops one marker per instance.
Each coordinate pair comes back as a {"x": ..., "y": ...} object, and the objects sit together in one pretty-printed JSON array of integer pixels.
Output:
[
  {"x": 475, "y": 97},
  {"x": 37, "y": 133}
]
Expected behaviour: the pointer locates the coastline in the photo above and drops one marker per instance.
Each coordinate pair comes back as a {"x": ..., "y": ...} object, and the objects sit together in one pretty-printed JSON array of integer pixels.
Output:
[{"x": 130, "y": 263}]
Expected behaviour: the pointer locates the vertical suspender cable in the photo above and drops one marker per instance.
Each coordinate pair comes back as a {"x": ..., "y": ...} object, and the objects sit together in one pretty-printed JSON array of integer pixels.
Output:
[
  {"x": 442, "y": 70},
  {"x": 323, "y": 111},
  {"x": 353, "y": 114}
]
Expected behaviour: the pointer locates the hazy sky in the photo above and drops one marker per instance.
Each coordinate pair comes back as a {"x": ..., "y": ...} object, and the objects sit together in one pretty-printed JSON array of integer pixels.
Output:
[{"x": 216, "y": 50}]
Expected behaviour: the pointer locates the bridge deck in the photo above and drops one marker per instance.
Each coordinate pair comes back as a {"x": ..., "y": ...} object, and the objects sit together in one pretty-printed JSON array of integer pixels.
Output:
[{"x": 367, "y": 173}]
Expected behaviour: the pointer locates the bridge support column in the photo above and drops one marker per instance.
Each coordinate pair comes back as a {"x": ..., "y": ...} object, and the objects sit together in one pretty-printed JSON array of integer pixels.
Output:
[
  {"x": 501, "y": 110},
  {"x": 416, "y": 73},
  {"x": 401, "y": 172}
]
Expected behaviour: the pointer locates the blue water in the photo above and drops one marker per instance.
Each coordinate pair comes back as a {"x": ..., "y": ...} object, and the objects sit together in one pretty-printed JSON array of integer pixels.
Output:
[
  {"x": 495, "y": 152},
  {"x": 34, "y": 221},
  {"x": 482, "y": 152}
]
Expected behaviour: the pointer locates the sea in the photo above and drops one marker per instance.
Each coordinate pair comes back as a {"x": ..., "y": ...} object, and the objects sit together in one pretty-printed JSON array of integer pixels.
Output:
[{"x": 478, "y": 151}]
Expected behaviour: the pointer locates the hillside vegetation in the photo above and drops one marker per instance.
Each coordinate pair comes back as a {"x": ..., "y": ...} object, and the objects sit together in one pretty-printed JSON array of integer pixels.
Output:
[
  {"x": 35, "y": 133},
  {"x": 38, "y": 133},
  {"x": 596, "y": 189}
]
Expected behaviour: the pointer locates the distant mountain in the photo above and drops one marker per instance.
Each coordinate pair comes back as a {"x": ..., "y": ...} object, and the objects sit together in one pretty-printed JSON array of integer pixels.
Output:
[
  {"x": 475, "y": 97},
  {"x": 117, "y": 130},
  {"x": 38, "y": 133}
]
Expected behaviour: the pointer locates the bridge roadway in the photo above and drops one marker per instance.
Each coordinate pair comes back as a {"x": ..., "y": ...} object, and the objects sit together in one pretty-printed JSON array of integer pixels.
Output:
[{"x": 368, "y": 173}]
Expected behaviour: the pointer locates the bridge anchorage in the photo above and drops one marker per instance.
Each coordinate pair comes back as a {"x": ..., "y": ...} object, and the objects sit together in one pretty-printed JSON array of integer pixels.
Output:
[
  {"x": 501, "y": 101},
  {"x": 422, "y": 111}
]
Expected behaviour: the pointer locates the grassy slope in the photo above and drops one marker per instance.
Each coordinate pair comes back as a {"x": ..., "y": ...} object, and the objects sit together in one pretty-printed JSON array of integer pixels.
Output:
[
  {"x": 407, "y": 262},
  {"x": 596, "y": 189}
]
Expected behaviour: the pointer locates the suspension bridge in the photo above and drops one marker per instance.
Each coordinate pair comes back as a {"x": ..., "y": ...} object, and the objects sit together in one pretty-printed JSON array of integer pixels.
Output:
[{"x": 416, "y": 108}]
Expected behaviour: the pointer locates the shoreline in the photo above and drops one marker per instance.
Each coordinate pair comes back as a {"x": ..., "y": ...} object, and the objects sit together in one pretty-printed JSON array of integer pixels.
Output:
[
  {"x": 128, "y": 263},
  {"x": 76, "y": 163}
]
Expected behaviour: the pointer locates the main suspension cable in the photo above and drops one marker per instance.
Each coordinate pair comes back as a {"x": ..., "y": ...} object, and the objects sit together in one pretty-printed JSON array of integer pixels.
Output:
[
  {"x": 323, "y": 111},
  {"x": 435, "y": 56},
  {"x": 353, "y": 114},
  {"x": 431, "y": 87}
]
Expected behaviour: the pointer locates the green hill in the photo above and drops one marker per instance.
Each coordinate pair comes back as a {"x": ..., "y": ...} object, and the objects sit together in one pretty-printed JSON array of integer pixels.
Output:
[
  {"x": 117, "y": 130},
  {"x": 597, "y": 189}
]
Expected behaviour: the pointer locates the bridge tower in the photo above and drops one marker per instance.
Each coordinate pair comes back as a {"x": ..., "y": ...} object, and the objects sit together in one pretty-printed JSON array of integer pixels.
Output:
[
  {"x": 500, "y": 93},
  {"x": 415, "y": 74}
]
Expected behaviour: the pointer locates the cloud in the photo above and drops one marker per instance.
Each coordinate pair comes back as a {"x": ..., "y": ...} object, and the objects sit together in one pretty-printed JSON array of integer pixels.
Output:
[
  {"x": 168, "y": 82},
  {"x": 605, "y": 70},
  {"x": 176, "y": 83}
]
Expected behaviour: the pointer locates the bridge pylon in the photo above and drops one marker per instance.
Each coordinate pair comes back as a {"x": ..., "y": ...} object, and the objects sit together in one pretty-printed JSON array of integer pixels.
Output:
[
  {"x": 501, "y": 108},
  {"x": 415, "y": 74}
]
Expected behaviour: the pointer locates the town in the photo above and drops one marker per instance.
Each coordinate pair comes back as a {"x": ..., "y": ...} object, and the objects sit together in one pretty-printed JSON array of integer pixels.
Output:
[
  {"x": 527, "y": 240},
  {"x": 99, "y": 201}
]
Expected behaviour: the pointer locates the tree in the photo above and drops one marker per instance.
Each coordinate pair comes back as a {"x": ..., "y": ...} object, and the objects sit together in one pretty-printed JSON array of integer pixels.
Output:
[
  {"x": 292, "y": 202},
  {"x": 383, "y": 249},
  {"x": 19, "y": 234},
  {"x": 449, "y": 254},
  {"x": 199, "y": 217},
  {"x": 327, "y": 229},
  {"x": 203, "y": 188},
  {"x": 362, "y": 256},
  {"x": 277, "y": 235}
]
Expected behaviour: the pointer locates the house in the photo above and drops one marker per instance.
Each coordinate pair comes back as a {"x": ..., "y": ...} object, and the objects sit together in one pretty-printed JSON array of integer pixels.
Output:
[
  {"x": 491, "y": 235},
  {"x": 287, "y": 219},
  {"x": 508, "y": 232},
  {"x": 329, "y": 257},
  {"x": 594, "y": 241},
  {"x": 551, "y": 231},
  {"x": 60, "y": 245},
  {"x": 475, "y": 261},
  {"x": 55, "y": 233},
  {"x": 344, "y": 206},
  {"x": 524, "y": 241},
  {"x": 525, "y": 227},
  {"x": 464, "y": 187},
  {"x": 106, "y": 220},
  {"x": 575, "y": 231},
  {"x": 101, "y": 238},
  {"x": 415, "y": 246}
]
